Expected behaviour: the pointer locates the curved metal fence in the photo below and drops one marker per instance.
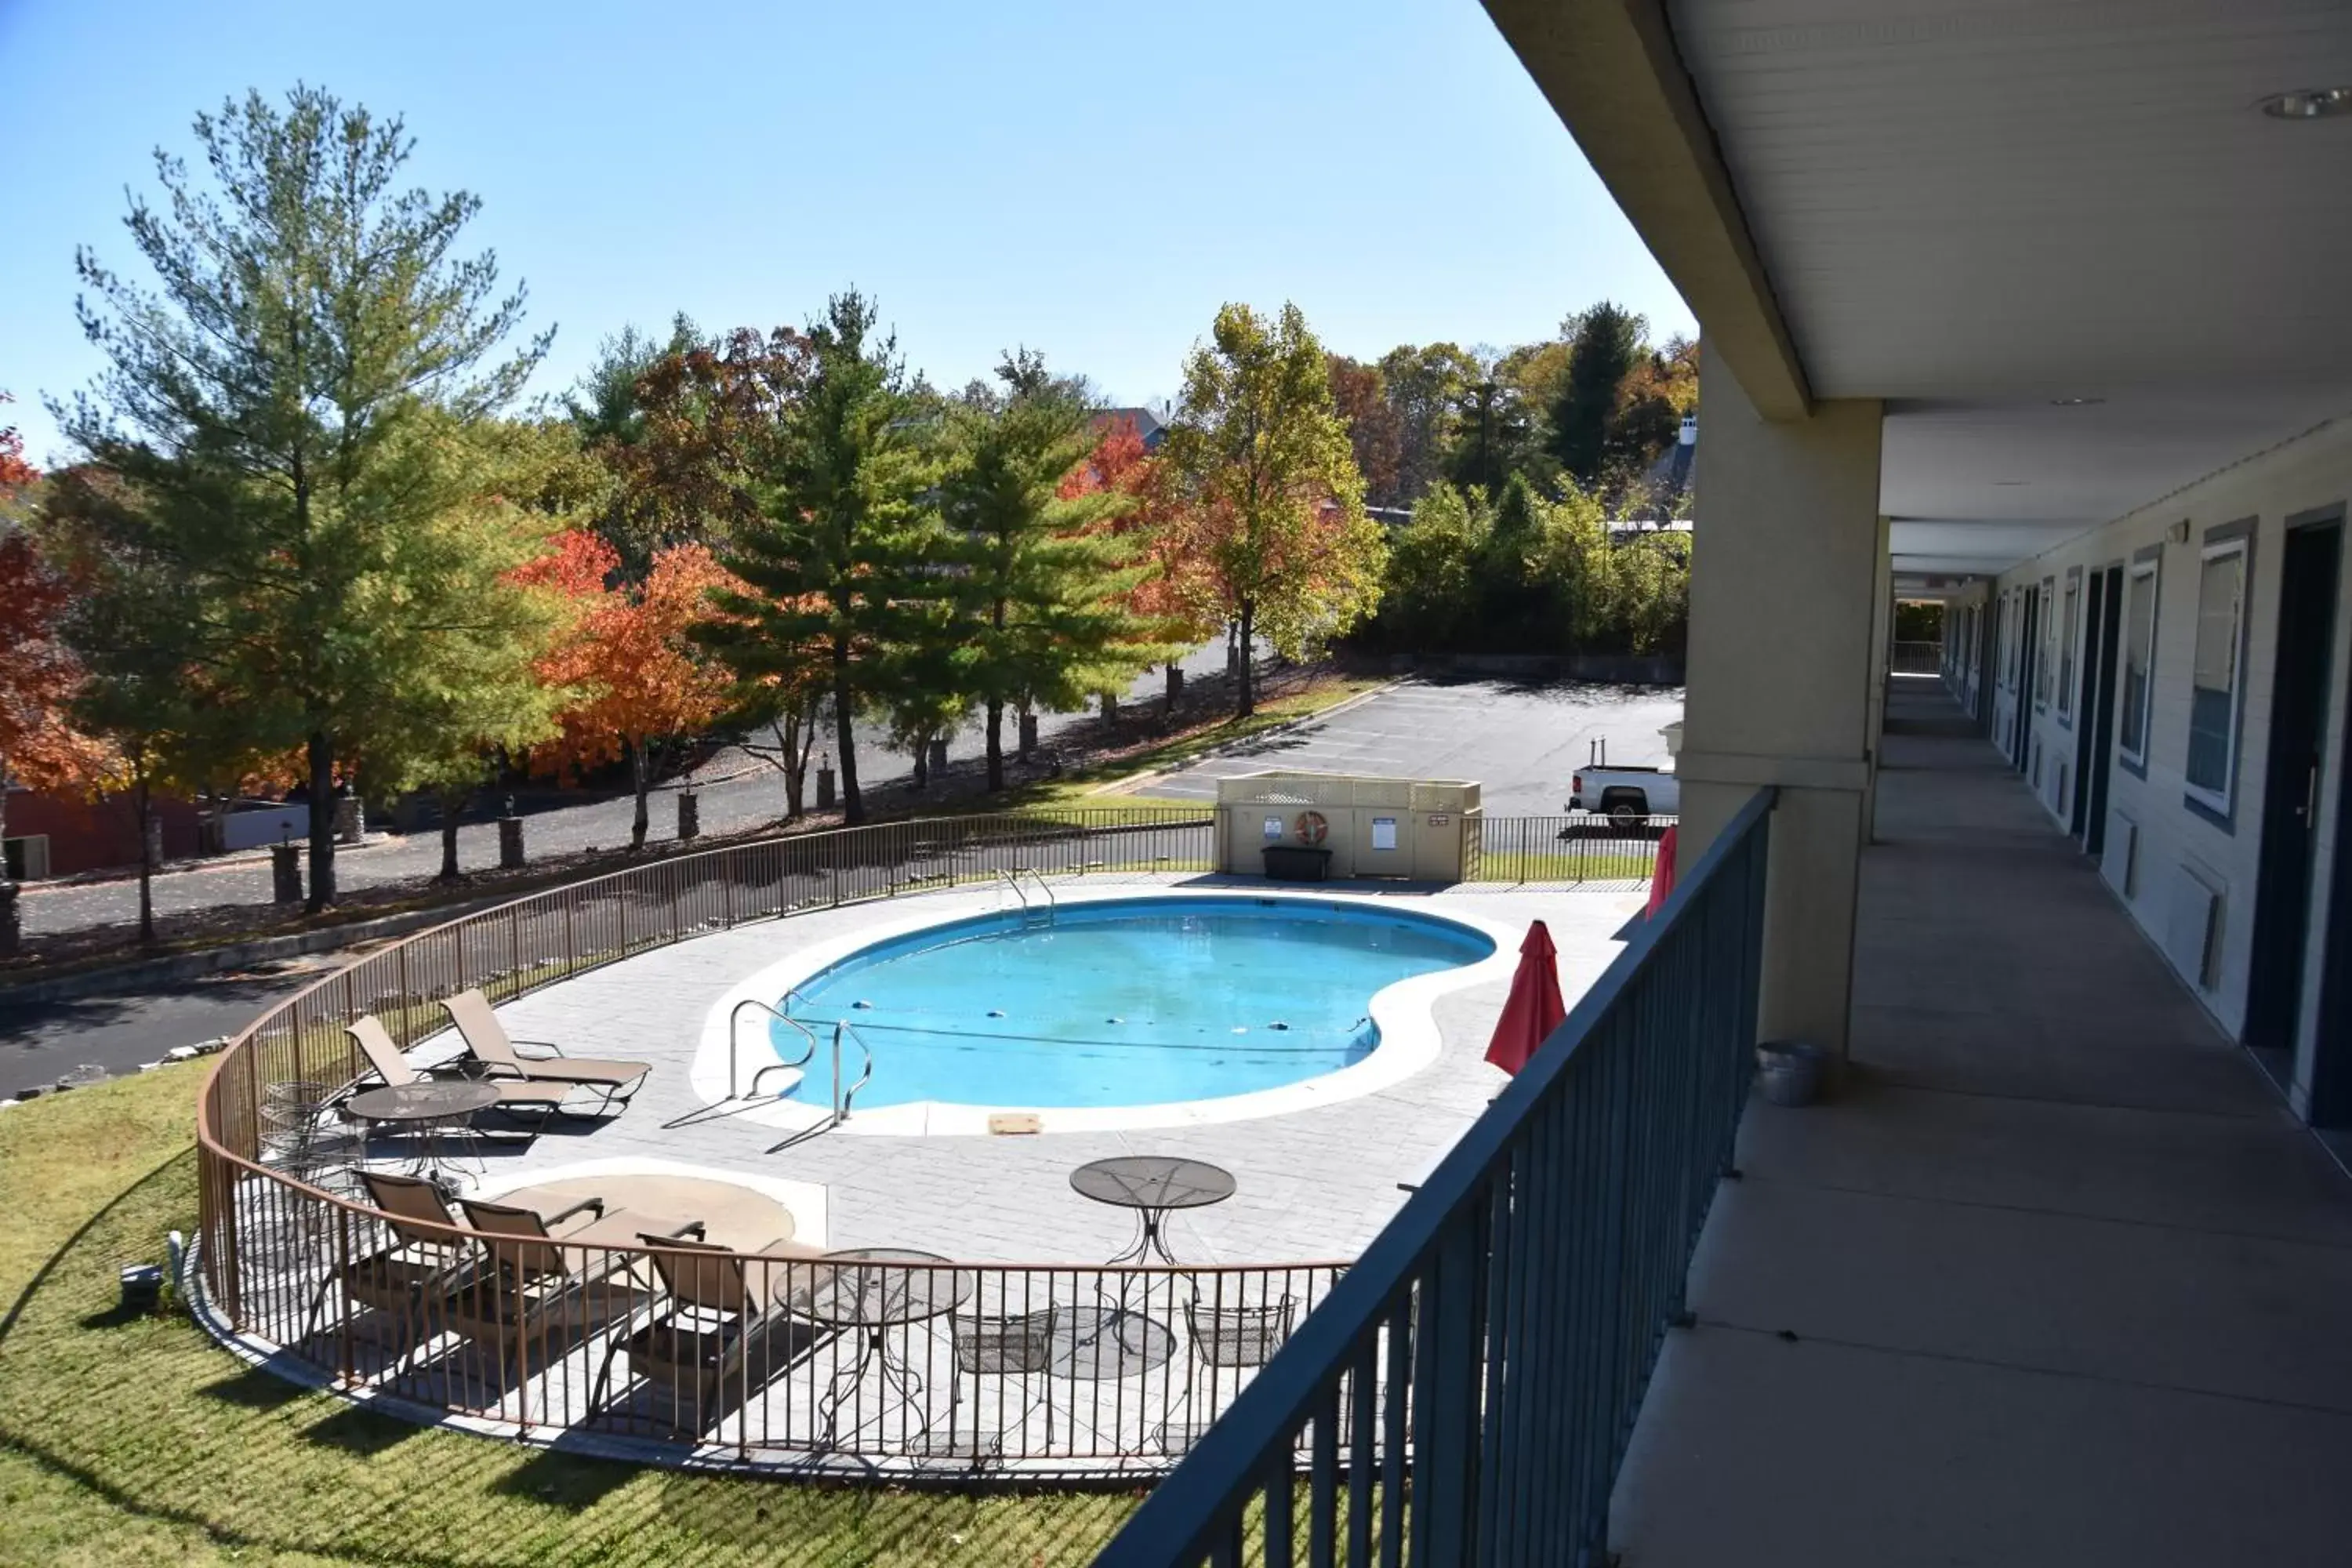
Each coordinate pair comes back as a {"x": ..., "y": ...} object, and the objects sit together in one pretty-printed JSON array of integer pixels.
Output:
[{"x": 663, "y": 1347}]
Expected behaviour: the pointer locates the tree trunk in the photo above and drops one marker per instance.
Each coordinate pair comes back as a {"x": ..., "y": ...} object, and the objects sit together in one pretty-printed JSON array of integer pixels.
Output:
[
  {"x": 11, "y": 934},
  {"x": 322, "y": 822},
  {"x": 995, "y": 744},
  {"x": 1246, "y": 686},
  {"x": 144, "y": 805},
  {"x": 1175, "y": 685},
  {"x": 853, "y": 806},
  {"x": 641, "y": 778},
  {"x": 453, "y": 806},
  {"x": 922, "y": 762},
  {"x": 791, "y": 752}
]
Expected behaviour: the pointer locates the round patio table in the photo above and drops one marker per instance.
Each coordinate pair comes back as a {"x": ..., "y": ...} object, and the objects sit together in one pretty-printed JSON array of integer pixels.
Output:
[
  {"x": 426, "y": 1110},
  {"x": 869, "y": 1292},
  {"x": 1153, "y": 1185}
]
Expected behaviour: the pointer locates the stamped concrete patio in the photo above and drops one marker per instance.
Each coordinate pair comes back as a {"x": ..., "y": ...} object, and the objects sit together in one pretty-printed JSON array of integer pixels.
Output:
[
  {"x": 2056, "y": 1278},
  {"x": 1312, "y": 1185}
]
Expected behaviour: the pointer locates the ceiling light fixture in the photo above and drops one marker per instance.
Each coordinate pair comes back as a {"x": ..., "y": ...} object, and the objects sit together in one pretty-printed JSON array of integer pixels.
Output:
[
  {"x": 2074, "y": 402},
  {"x": 2309, "y": 103}
]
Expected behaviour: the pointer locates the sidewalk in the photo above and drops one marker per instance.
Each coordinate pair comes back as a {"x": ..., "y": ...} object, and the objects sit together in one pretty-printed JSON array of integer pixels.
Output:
[{"x": 2057, "y": 1280}]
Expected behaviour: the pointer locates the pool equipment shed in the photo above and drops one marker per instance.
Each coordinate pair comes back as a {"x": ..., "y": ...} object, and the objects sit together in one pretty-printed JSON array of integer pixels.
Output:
[{"x": 1412, "y": 828}]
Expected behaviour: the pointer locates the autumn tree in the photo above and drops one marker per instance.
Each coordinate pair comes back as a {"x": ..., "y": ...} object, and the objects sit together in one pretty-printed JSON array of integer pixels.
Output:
[
  {"x": 837, "y": 541},
  {"x": 1174, "y": 602},
  {"x": 637, "y": 677},
  {"x": 283, "y": 403},
  {"x": 1046, "y": 585},
  {"x": 609, "y": 408},
  {"x": 1375, "y": 429},
  {"x": 1423, "y": 387},
  {"x": 1273, "y": 503}
]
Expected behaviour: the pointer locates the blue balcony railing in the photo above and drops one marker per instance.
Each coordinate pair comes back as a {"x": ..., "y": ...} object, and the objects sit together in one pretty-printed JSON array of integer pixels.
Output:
[{"x": 1464, "y": 1393}]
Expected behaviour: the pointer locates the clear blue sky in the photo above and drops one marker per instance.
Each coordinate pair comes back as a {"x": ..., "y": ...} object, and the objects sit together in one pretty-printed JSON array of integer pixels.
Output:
[{"x": 1092, "y": 180}]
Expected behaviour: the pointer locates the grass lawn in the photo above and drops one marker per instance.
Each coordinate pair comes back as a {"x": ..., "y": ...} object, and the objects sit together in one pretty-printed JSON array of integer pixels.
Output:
[
  {"x": 1086, "y": 787},
  {"x": 141, "y": 1442}
]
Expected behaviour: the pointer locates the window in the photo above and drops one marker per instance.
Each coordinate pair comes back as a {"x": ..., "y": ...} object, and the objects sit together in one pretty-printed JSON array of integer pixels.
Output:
[
  {"x": 2044, "y": 666},
  {"x": 2215, "y": 679},
  {"x": 2069, "y": 627},
  {"x": 2139, "y": 658}
]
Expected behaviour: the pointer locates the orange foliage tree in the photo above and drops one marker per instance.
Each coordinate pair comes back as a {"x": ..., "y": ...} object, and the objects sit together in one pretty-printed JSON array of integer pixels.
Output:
[
  {"x": 1176, "y": 601},
  {"x": 642, "y": 679}
]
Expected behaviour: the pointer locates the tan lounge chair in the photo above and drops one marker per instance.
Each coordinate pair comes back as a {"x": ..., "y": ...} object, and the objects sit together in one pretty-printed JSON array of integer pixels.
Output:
[
  {"x": 544, "y": 1282},
  {"x": 716, "y": 1335},
  {"x": 374, "y": 1042},
  {"x": 419, "y": 1267},
  {"x": 487, "y": 1039}
]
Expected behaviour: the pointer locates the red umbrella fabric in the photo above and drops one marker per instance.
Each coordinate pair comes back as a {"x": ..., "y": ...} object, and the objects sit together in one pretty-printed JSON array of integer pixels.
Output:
[
  {"x": 1661, "y": 876},
  {"x": 1535, "y": 1009}
]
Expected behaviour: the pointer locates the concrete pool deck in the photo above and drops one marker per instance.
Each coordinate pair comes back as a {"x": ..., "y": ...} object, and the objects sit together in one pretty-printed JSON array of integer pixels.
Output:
[{"x": 1312, "y": 1184}]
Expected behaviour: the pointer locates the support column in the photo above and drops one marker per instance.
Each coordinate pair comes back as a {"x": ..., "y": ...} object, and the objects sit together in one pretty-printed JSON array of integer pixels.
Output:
[{"x": 1784, "y": 607}]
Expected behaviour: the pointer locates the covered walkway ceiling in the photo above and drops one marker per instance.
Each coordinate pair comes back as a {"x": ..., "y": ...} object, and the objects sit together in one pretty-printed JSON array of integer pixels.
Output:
[{"x": 1974, "y": 211}]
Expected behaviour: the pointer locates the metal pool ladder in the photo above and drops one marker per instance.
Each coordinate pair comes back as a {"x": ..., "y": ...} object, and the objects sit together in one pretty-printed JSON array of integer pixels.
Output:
[
  {"x": 842, "y": 1097},
  {"x": 1013, "y": 880}
]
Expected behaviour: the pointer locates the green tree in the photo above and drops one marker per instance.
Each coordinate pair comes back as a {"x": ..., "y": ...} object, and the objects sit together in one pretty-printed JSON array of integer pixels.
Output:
[
  {"x": 1048, "y": 616},
  {"x": 285, "y": 406},
  {"x": 1605, "y": 344},
  {"x": 842, "y": 553},
  {"x": 1274, "y": 506},
  {"x": 608, "y": 408},
  {"x": 1432, "y": 598},
  {"x": 1492, "y": 432},
  {"x": 1424, "y": 389}
]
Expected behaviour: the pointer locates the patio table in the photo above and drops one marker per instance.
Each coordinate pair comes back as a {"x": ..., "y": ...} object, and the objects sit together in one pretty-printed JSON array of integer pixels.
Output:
[
  {"x": 427, "y": 1110},
  {"x": 1153, "y": 1185},
  {"x": 869, "y": 1292}
]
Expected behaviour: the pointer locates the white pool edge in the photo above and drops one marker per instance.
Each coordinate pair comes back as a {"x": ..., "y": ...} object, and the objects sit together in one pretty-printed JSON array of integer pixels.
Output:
[{"x": 1404, "y": 1012}]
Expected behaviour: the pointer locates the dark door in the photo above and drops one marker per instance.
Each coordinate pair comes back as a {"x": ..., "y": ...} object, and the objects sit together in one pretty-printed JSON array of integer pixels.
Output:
[
  {"x": 2291, "y": 794},
  {"x": 2084, "y": 697},
  {"x": 2099, "y": 719},
  {"x": 2021, "y": 732}
]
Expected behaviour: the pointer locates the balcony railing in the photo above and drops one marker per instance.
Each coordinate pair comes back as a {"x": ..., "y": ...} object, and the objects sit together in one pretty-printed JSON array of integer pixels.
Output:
[
  {"x": 1916, "y": 658},
  {"x": 1465, "y": 1393}
]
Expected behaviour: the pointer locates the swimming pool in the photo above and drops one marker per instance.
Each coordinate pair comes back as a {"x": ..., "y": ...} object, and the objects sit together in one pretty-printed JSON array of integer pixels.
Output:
[{"x": 1119, "y": 1001}]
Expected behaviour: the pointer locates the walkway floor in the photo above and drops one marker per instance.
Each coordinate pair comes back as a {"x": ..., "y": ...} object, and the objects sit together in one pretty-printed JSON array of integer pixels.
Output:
[{"x": 2057, "y": 1278}]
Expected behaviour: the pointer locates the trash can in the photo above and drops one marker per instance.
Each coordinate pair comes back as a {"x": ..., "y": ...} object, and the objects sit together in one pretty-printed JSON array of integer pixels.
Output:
[{"x": 1790, "y": 1071}]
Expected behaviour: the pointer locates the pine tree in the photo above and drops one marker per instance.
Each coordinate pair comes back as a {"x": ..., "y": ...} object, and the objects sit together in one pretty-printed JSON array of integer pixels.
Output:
[
  {"x": 1605, "y": 344},
  {"x": 1047, "y": 580},
  {"x": 283, "y": 408},
  {"x": 843, "y": 559}
]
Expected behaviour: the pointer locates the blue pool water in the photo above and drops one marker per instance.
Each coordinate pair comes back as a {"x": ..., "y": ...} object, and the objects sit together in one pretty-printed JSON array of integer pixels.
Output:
[{"x": 1120, "y": 1001}]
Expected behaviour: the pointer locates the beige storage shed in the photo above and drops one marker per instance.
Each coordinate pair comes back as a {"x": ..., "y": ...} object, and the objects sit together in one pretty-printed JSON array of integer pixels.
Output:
[{"x": 1412, "y": 828}]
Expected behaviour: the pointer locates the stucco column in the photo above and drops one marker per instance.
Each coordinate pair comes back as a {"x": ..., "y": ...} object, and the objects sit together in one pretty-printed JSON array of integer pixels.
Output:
[{"x": 1785, "y": 603}]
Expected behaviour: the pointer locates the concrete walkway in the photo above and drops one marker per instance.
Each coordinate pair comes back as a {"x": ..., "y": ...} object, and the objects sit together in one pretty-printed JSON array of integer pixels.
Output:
[{"x": 2057, "y": 1279}]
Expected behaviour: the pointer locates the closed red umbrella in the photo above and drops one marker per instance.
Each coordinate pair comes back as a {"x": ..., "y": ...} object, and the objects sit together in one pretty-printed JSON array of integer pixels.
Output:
[
  {"x": 1535, "y": 1009},
  {"x": 1662, "y": 875}
]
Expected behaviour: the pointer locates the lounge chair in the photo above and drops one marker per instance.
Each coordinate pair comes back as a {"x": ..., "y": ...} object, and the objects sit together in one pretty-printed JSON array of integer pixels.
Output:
[
  {"x": 422, "y": 1264},
  {"x": 542, "y": 1281},
  {"x": 716, "y": 1330},
  {"x": 374, "y": 1042},
  {"x": 487, "y": 1039}
]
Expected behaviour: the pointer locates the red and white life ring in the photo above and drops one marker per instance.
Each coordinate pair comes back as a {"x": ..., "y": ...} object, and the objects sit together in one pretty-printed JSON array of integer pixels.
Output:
[{"x": 1311, "y": 828}]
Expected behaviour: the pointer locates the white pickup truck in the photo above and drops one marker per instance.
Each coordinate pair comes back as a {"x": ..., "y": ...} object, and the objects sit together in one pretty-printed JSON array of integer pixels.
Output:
[{"x": 1627, "y": 796}]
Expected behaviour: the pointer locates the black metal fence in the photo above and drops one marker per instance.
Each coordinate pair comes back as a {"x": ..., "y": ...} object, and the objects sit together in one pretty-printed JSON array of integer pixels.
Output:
[
  {"x": 1582, "y": 847},
  {"x": 1466, "y": 1394}
]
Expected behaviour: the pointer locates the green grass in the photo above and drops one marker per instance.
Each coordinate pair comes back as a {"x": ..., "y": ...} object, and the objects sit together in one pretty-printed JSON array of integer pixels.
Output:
[
  {"x": 1548, "y": 867},
  {"x": 141, "y": 1442},
  {"x": 1088, "y": 786}
]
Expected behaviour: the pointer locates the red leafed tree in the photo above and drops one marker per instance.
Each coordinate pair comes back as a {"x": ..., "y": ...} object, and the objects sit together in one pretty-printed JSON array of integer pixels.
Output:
[
  {"x": 641, "y": 679},
  {"x": 1176, "y": 601}
]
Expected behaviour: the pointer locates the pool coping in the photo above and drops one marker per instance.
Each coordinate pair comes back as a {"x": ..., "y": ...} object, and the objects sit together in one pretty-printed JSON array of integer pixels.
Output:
[{"x": 1404, "y": 1012}]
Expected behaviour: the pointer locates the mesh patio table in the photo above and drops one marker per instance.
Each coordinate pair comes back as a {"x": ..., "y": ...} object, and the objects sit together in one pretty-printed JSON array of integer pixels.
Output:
[
  {"x": 429, "y": 1111},
  {"x": 870, "y": 1291},
  {"x": 1154, "y": 1185}
]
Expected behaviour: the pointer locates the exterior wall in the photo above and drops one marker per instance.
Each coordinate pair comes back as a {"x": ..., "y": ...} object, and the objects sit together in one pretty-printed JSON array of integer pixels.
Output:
[
  {"x": 84, "y": 836},
  {"x": 2312, "y": 472}
]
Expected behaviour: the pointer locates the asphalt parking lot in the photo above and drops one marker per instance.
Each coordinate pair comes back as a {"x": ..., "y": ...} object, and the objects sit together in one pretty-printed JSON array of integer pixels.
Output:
[{"x": 1520, "y": 741}]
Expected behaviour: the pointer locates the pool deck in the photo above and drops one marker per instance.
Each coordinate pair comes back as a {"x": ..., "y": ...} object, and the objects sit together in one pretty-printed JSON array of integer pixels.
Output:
[{"x": 1312, "y": 1185}]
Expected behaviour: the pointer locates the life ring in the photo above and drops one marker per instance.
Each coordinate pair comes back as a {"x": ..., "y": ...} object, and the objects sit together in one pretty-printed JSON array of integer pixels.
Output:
[{"x": 1311, "y": 828}]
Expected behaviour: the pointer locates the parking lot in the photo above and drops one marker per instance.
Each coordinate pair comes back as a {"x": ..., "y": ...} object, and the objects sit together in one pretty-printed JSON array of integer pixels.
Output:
[{"x": 1521, "y": 741}]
